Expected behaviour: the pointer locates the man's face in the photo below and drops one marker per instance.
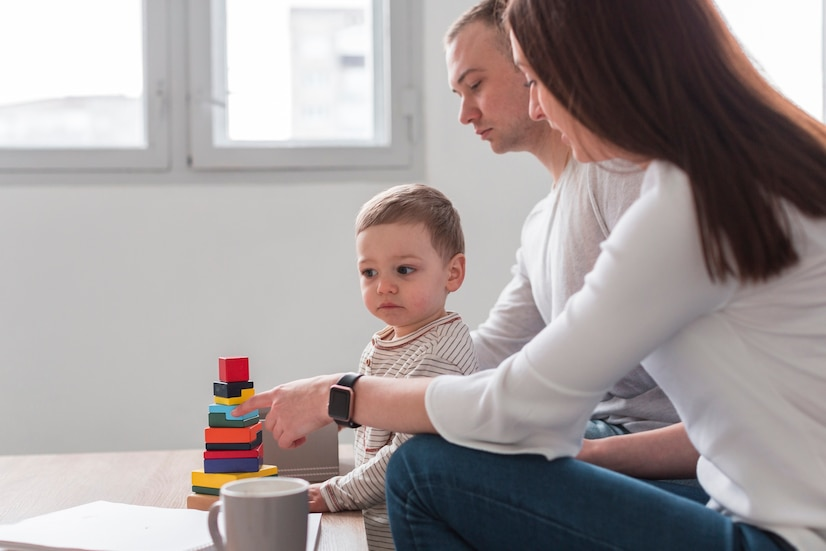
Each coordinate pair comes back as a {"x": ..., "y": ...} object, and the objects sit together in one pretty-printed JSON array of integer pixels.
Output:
[{"x": 492, "y": 91}]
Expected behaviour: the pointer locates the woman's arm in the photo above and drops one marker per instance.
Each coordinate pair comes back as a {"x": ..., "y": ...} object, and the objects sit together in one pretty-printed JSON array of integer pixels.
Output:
[
  {"x": 655, "y": 454},
  {"x": 648, "y": 285},
  {"x": 300, "y": 407}
]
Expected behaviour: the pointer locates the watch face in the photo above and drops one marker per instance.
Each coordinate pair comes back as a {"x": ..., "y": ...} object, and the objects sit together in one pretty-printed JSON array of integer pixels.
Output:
[{"x": 339, "y": 407}]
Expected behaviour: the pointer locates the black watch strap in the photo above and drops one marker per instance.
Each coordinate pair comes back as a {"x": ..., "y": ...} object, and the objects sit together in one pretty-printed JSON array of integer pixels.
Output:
[{"x": 349, "y": 379}]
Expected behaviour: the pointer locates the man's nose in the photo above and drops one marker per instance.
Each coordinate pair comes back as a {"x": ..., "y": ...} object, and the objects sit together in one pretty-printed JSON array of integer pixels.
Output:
[{"x": 468, "y": 111}]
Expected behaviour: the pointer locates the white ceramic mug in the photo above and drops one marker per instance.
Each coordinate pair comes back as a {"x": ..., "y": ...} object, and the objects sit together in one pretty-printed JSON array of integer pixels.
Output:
[{"x": 266, "y": 513}]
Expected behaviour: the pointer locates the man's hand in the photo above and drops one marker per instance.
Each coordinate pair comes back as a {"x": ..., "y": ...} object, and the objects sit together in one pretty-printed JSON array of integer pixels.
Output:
[
  {"x": 655, "y": 454},
  {"x": 296, "y": 409}
]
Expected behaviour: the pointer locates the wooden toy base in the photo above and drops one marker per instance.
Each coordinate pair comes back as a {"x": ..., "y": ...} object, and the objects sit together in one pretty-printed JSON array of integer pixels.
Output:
[{"x": 201, "y": 502}]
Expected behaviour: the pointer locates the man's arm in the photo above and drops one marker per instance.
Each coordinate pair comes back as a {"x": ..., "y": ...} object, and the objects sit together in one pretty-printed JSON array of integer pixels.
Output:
[
  {"x": 655, "y": 454},
  {"x": 512, "y": 322}
]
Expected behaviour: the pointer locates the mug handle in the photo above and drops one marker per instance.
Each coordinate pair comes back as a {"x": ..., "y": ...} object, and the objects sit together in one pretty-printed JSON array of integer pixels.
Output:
[{"x": 212, "y": 521}]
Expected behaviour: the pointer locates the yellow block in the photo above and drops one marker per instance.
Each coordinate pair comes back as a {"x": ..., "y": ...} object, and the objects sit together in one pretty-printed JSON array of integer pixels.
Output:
[
  {"x": 246, "y": 393},
  {"x": 216, "y": 480}
]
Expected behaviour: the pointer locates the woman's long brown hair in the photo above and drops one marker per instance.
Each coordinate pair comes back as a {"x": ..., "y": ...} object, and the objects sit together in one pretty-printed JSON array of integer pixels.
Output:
[{"x": 667, "y": 80}]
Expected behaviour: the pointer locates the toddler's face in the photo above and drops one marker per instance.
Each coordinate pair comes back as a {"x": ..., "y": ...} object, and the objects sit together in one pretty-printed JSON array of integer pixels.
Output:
[{"x": 404, "y": 281}]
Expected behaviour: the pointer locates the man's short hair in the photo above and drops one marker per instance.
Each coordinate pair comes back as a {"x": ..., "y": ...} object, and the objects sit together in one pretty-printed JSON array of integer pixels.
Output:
[{"x": 488, "y": 12}]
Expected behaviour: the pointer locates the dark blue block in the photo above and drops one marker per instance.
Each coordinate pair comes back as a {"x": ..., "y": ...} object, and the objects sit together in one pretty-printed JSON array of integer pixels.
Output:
[{"x": 233, "y": 465}]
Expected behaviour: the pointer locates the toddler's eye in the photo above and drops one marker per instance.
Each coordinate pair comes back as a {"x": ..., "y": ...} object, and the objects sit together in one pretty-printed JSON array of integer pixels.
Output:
[
  {"x": 369, "y": 272},
  {"x": 405, "y": 270}
]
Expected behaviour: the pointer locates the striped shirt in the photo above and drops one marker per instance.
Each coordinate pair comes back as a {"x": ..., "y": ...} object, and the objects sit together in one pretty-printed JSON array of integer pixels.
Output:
[{"x": 443, "y": 346}]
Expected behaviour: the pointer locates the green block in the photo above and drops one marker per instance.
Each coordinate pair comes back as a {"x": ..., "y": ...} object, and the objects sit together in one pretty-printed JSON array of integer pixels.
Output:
[
  {"x": 220, "y": 420},
  {"x": 205, "y": 490}
]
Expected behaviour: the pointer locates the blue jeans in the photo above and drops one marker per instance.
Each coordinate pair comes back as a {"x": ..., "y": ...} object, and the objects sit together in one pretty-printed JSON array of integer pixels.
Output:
[
  {"x": 596, "y": 428},
  {"x": 442, "y": 496}
]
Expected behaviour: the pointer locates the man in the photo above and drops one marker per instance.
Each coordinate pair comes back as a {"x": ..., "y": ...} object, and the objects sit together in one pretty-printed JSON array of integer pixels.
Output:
[{"x": 560, "y": 242}]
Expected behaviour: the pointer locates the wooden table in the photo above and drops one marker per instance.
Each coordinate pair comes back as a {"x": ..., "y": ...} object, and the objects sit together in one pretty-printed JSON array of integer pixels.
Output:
[{"x": 32, "y": 485}]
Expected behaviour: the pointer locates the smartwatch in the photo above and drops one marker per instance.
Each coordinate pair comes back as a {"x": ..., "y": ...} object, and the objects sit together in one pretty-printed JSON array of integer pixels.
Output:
[{"x": 342, "y": 398}]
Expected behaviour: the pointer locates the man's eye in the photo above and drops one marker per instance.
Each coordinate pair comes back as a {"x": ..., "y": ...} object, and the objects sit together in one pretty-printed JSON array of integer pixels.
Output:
[
  {"x": 405, "y": 270},
  {"x": 368, "y": 272},
  {"x": 475, "y": 85}
]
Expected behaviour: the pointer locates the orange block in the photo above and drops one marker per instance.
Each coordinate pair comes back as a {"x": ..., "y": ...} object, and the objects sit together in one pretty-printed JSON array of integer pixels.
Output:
[{"x": 231, "y": 435}]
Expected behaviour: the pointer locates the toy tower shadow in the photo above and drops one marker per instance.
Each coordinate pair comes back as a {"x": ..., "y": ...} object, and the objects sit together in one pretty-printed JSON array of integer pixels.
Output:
[{"x": 234, "y": 445}]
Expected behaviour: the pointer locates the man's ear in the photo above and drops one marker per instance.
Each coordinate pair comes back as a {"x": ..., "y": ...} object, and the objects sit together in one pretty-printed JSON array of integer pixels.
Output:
[{"x": 456, "y": 272}]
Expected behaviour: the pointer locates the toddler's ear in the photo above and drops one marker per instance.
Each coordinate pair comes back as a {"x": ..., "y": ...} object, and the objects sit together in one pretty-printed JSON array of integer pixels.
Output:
[{"x": 456, "y": 272}]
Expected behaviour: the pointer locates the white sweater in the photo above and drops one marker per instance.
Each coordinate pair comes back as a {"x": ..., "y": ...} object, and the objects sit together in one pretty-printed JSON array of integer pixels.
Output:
[{"x": 745, "y": 365}]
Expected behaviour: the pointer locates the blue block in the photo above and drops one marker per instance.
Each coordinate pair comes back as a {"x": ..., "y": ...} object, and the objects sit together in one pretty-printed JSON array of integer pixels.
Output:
[
  {"x": 221, "y": 408},
  {"x": 233, "y": 465}
]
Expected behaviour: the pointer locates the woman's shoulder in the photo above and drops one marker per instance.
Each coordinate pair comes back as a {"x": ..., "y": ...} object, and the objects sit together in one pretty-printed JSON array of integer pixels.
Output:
[
  {"x": 663, "y": 173},
  {"x": 665, "y": 205}
]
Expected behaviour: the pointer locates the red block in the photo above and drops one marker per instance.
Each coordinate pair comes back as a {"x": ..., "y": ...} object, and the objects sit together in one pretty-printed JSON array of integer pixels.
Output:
[
  {"x": 231, "y": 370},
  {"x": 234, "y": 454}
]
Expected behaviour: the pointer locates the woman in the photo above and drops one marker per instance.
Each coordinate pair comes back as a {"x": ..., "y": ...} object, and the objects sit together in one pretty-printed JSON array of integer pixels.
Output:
[{"x": 715, "y": 280}]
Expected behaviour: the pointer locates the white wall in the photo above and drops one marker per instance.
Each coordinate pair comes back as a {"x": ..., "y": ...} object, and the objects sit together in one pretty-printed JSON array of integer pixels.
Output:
[{"x": 117, "y": 299}]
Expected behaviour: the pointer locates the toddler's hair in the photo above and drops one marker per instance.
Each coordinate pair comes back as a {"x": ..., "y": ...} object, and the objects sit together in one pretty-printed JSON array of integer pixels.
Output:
[{"x": 417, "y": 204}]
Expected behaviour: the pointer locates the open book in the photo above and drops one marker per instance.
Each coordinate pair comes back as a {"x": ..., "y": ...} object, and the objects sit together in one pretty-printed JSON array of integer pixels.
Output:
[{"x": 108, "y": 526}]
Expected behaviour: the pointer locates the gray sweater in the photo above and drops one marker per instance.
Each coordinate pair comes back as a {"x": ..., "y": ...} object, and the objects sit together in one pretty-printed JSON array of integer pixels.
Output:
[{"x": 561, "y": 239}]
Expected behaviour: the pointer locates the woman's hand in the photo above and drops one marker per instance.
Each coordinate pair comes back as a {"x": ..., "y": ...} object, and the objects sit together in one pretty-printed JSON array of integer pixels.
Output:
[{"x": 296, "y": 409}]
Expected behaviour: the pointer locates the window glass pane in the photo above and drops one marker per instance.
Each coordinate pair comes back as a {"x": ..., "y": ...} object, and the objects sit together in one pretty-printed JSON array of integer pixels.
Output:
[
  {"x": 785, "y": 40},
  {"x": 299, "y": 71},
  {"x": 72, "y": 74}
]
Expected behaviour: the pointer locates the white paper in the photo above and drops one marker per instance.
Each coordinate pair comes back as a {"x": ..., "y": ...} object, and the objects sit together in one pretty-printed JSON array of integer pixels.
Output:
[
  {"x": 108, "y": 526},
  {"x": 313, "y": 526}
]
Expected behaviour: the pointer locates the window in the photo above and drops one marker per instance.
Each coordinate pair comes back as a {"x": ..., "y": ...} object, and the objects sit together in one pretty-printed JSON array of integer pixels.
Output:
[
  {"x": 209, "y": 86},
  {"x": 299, "y": 83},
  {"x": 78, "y": 94},
  {"x": 785, "y": 40}
]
